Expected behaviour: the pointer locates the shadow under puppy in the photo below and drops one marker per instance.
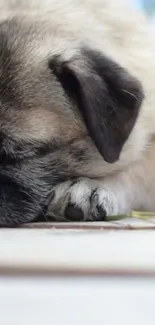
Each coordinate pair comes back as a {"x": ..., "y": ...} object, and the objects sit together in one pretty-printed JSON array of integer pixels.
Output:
[{"x": 72, "y": 133}]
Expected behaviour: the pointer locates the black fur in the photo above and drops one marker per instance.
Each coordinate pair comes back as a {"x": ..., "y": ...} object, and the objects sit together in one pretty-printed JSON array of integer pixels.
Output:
[
  {"x": 25, "y": 187},
  {"x": 107, "y": 96},
  {"x": 27, "y": 181}
]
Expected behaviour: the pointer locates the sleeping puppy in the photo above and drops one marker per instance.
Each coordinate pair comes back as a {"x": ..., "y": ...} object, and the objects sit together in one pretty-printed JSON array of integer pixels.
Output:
[{"x": 77, "y": 117}]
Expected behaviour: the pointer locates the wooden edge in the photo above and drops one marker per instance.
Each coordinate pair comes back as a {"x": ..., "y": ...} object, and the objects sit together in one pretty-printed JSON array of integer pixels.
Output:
[
  {"x": 73, "y": 272},
  {"x": 84, "y": 227}
]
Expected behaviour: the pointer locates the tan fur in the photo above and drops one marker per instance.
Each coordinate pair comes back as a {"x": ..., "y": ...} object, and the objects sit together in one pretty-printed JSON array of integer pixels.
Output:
[{"x": 123, "y": 35}]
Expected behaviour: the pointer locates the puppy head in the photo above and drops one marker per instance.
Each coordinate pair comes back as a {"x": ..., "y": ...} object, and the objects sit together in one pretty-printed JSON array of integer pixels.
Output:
[
  {"x": 48, "y": 100},
  {"x": 44, "y": 96}
]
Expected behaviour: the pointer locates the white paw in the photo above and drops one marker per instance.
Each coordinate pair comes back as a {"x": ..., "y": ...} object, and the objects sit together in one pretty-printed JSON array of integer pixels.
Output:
[{"x": 84, "y": 200}]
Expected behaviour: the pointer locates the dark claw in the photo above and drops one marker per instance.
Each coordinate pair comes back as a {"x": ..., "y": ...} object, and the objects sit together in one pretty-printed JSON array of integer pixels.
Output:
[
  {"x": 74, "y": 213},
  {"x": 101, "y": 213}
]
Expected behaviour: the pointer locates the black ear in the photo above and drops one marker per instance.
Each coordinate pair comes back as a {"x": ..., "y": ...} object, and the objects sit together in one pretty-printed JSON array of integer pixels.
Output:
[{"x": 108, "y": 97}]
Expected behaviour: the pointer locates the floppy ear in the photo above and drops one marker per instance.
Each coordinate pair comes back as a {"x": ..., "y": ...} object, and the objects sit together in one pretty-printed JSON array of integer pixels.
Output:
[{"x": 108, "y": 97}]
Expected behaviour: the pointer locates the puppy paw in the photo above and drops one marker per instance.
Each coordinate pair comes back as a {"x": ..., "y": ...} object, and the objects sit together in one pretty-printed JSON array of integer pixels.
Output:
[{"x": 81, "y": 200}]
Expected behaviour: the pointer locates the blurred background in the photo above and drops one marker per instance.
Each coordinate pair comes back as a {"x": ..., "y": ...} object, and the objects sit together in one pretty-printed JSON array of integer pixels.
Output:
[{"x": 147, "y": 5}]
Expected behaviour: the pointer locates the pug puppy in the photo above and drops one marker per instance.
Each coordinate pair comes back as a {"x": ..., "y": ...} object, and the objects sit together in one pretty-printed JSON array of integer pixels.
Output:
[{"x": 77, "y": 110}]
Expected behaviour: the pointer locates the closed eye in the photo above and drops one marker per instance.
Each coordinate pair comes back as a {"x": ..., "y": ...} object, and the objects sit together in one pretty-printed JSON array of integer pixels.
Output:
[{"x": 13, "y": 151}]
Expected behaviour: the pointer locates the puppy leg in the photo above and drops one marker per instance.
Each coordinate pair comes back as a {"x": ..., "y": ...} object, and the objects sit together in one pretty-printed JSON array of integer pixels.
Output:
[{"x": 88, "y": 199}]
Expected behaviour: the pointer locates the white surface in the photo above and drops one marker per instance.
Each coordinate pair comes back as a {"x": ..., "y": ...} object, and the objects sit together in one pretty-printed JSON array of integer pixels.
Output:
[
  {"x": 51, "y": 250},
  {"x": 72, "y": 300},
  {"x": 77, "y": 302}
]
